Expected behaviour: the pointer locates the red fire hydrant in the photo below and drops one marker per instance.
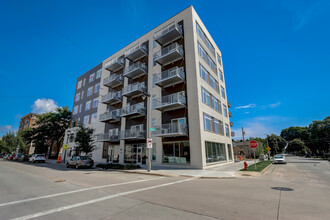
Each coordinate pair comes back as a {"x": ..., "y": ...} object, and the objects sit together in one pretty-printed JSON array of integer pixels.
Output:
[{"x": 245, "y": 165}]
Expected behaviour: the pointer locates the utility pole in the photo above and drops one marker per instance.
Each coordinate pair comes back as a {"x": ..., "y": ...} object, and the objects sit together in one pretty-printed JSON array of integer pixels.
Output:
[{"x": 243, "y": 133}]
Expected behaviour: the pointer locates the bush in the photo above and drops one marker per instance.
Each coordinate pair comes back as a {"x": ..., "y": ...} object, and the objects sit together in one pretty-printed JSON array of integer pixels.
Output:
[{"x": 118, "y": 166}]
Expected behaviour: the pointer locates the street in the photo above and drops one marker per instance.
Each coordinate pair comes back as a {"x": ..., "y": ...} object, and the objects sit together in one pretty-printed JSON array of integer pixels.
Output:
[{"x": 298, "y": 190}]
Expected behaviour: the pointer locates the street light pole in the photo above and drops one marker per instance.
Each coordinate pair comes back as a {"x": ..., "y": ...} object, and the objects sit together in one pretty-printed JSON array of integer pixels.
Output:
[{"x": 145, "y": 94}]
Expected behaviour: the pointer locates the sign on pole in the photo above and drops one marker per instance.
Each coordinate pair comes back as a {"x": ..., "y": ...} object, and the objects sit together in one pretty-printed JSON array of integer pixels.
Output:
[
  {"x": 268, "y": 148},
  {"x": 253, "y": 144},
  {"x": 149, "y": 143},
  {"x": 66, "y": 147}
]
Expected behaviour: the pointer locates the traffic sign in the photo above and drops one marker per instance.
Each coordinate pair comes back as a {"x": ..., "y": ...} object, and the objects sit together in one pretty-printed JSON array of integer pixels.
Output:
[
  {"x": 268, "y": 148},
  {"x": 152, "y": 129},
  {"x": 149, "y": 143},
  {"x": 253, "y": 144},
  {"x": 66, "y": 147}
]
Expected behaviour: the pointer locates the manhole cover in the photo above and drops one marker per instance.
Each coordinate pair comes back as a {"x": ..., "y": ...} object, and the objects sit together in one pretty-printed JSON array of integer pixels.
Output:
[
  {"x": 282, "y": 188},
  {"x": 59, "y": 181}
]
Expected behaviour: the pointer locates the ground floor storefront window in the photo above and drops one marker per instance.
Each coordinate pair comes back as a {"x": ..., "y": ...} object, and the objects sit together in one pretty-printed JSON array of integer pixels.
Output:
[
  {"x": 215, "y": 152},
  {"x": 135, "y": 153},
  {"x": 230, "y": 155},
  {"x": 113, "y": 153},
  {"x": 176, "y": 153}
]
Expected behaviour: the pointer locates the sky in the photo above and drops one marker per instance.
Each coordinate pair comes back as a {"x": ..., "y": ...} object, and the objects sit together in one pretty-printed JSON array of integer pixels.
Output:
[{"x": 276, "y": 54}]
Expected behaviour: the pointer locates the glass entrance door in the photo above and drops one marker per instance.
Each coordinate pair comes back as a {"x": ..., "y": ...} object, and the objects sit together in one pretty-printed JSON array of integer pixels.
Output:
[
  {"x": 110, "y": 154},
  {"x": 139, "y": 155}
]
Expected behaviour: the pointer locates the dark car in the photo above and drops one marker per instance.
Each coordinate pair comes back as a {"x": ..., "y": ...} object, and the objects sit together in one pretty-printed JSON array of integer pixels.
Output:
[
  {"x": 17, "y": 157},
  {"x": 11, "y": 157},
  {"x": 80, "y": 161},
  {"x": 23, "y": 158}
]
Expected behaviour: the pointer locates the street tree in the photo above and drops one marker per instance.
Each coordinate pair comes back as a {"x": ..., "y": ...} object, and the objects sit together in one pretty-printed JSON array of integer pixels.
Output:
[
  {"x": 297, "y": 145},
  {"x": 84, "y": 140},
  {"x": 320, "y": 136},
  {"x": 295, "y": 132},
  {"x": 13, "y": 141},
  {"x": 276, "y": 143}
]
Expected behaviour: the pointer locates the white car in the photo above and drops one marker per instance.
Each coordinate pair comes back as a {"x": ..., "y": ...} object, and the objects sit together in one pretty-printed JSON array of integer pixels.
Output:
[
  {"x": 279, "y": 158},
  {"x": 39, "y": 158}
]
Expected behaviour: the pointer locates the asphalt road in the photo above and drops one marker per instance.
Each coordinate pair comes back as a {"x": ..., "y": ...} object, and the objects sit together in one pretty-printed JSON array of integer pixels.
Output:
[{"x": 297, "y": 190}]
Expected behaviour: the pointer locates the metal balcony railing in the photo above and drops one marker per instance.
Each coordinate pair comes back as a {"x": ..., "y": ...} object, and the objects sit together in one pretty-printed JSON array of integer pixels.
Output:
[
  {"x": 113, "y": 80},
  {"x": 107, "y": 137},
  {"x": 115, "y": 64},
  {"x": 135, "y": 70},
  {"x": 112, "y": 97},
  {"x": 170, "y": 102},
  {"x": 231, "y": 124},
  {"x": 169, "y": 77},
  {"x": 134, "y": 110},
  {"x": 136, "y": 52},
  {"x": 134, "y": 89},
  {"x": 171, "y": 130},
  {"x": 111, "y": 116},
  {"x": 233, "y": 134},
  {"x": 133, "y": 134},
  {"x": 230, "y": 114},
  {"x": 168, "y": 34},
  {"x": 228, "y": 104},
  {"x": 169, "y": 54}
]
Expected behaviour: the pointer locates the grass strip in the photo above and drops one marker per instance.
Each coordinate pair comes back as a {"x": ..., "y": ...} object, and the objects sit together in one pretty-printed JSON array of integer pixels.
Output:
[{"x": 260, "y": 166}]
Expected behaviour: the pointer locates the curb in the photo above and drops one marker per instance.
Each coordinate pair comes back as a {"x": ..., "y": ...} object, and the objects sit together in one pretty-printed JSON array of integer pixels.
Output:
[
  {"x": 266, "y": 168},
  {"x": 253, "y": 173}
]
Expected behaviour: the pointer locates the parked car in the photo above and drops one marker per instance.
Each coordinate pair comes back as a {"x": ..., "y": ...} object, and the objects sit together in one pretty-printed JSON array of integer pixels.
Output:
[
  {"x": 23, "y": 158},
  {"x": 279, "y": 158},
  {"x": 17, "y": 157},
  {"x": 6, "y": 156},
  {"x": 10, "y": 157},
  {"x": 80, "y": 161},
  {"x": 39, "y": 158}
]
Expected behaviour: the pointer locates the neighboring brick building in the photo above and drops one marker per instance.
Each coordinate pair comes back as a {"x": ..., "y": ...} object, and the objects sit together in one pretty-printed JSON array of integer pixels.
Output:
[{"x": 28, "y": 121}]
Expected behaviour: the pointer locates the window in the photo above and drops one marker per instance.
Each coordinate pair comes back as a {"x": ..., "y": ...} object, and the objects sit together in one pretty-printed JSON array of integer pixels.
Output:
[
  {"x": 215, "y": 152},
  {"x": 93, "y": 118},
  {"x": 225, "y": 112},
  {"x": 216, "y": 126},
  {"x": 230, "y": 155},
  {"x": 79, "y": 84},
  {"x": 208, "y": 78},
  {"x": 86, "y": 119},
  {"x": 202, "y": 52},
  {"x": 91, "y": 77},
  {"x": 82, "y": 94},
  {"x": 98, "y": 74},
  {"x": 207, "y": 122},
  {"x": 80, "y": 108},
  {"x": 88, "y": 105},
  {"x": 219, "y": 59},
  {"x": 95, "y": 102},
  {"x": 84, "y": 82},
  {"x": 227, "y": 130},
  {"x": 203, "y": 73},
  {"x": 221, "y": 75},
  {"x": 176, "y": 153},
  {"x": 222, "y": 132},
  {"x": 215, "y": 103},
  {"x": 97, "y": 88},
  {"x": 153, "y": 122},
  {"x": 75, "y": 109},
  {"x": 204, "y": 38},
  {"x": 77, "y": 97},
  {"x": 211, "y": 64},
  {"x": 223, "y": 92},
  {"x": 206, "y": 97},
  {"x": 90, "y": 91}
]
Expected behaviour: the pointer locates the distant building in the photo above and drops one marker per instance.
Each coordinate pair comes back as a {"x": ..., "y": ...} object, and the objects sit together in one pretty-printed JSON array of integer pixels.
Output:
[
  {"x": 28, "y": 121},
  {"x": 244, "y": 149}
]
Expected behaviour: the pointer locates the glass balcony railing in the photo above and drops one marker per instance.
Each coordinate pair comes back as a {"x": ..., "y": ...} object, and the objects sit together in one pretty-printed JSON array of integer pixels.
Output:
[
  {"x": 228, "y": 104},
  {"x": 135, "y": 70},
  {"x": 133, "y": 134},
  {"x": 137, "y": 52},
  {"x": 107, "y": 137},
  {"x": 233, "y": 134},
  {"x": 113, "y": 80},
  {"x": 169, "y": 54},
  {"x": 134, "y": 110},
  {"x": 115, "y": 64},
  {"x": 170, "y": 102},
  {"x": 111, "y": 116},
  {"x": 231, "y": 124},
  {"x": 168, "y": 34},
  {"x": 172, "y": 130},
  {"x": 134, "y": 89},
  {"x": 169, "y": 77},
  {"x": 112, "y": 97},
  {"x": 230, "y": 114}
]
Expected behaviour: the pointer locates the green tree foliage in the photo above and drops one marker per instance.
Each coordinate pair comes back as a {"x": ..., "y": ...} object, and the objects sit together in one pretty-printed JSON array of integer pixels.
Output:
[
  {"x": 295, "y": 132},
  {"x": 320, "y": 135},
  {"x": 11, "y": 142},
  {"x": 84, "y": 139},
  {"x": 262, "y": 144},
  {"x": 276, "y": 143},
  {"x": 297, "y": 145}
]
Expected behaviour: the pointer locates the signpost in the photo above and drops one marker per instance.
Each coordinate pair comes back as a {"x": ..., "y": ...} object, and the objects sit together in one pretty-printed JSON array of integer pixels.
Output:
[
  {"x": 268, "y": 149},
  {"x": 149, "y": 143},
  {"x": 65, "y": 147},
  {"x": 253, "y": 144}
]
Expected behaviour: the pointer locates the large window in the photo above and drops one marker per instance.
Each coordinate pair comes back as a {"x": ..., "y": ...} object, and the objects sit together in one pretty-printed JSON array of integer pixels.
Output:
[
  {"x": 176, "y": 153},
  {"x": 208, "y": 78},
  {"x": 86, "y": 119},
  {"x": 97, "y": 88},
  {"x": 210, "y": 100},
  {"x": 207, "y": 122},
  {"x": 75, "y": 110},
  {"x": 215, "y": 152},
  {"x": 212, "y": 124},
  {"x": 221, "y": 75},
  {"x": 91, "y": 77},
  {"x": 206, "y": 97},
  {"x": 95, "y": 102},
  {"x": 205, "y": 39},
  {"x": 230, "y": 153},
  {"x": 77, "y": 97},
  {"x": 206, "y": 57},
  {"x": 79, "y": 84},
  {"x": 225, "y": 112},
  {"x": 227, "y": 130},
  {"x": 90, "y": 91},
  {"x": 223, "y": 94},
  {"x": 88, "y": 105},
  {"x": 98, "y": 74}
]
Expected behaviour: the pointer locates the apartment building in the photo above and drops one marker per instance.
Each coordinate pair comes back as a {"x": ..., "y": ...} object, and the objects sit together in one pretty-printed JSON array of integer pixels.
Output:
[
  {"x": 167, "y": 85},
  {"x": 28, "y": 121},
  {"x": 84, "y": 110}
]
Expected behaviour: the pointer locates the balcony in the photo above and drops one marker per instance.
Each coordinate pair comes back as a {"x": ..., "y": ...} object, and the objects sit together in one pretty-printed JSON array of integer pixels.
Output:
[
  {"x": 169, "y": 54},
  {"x": 233, "y": 134},
  {"x": 134, "y": 89},
  {"x": 110, "y": 117},
  {"x": 170, "y": 77},
  {"x": 168, "y": 34},
  {"x": 107, "y": 137},
  {"x": 135, "y": 70},
  {"x": 231, "y": 124},
  {"x": 113, "y": 80},
  {"x": 134, "y": 111},
  {"x": 115, "y": 64},
  {"x": 112, "y": 98},
  {"x": 136, "y": 52},
  {"x": 170, "y": 102},
  {"x": 171, "y": 130},
  {"x": 229, "y": 104},
  {"x": 132, "y": 134},
  {"x": 230, "y": 114}
]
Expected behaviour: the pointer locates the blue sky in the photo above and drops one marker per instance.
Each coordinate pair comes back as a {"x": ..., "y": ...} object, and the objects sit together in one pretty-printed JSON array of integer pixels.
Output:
[{"x": 276, "y": 54}]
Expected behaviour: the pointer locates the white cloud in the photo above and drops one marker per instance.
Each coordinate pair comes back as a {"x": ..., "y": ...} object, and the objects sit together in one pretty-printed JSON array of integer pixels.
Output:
[
  {"x": 44, "y": 105},
  {"x": 246, "y": 106},
  {"x": 274, "y": 105}
]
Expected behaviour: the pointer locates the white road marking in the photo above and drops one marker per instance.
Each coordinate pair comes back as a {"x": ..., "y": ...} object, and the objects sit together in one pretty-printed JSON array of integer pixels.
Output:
[
  {"x": 76, "y": 191},
  {"x": 96, "y": 200}
]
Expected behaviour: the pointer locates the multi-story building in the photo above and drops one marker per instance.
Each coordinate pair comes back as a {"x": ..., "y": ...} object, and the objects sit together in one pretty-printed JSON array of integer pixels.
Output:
[
  {"x": 167, "y": 85},
  {"x": 28, "y": 121},
  {"x": 84, "y": 110}
]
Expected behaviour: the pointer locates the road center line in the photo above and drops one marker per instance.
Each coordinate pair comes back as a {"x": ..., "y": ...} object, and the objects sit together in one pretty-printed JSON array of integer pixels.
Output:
[
  {"x": 76, "y": 191},
  {"x": 97, "y": 200}
]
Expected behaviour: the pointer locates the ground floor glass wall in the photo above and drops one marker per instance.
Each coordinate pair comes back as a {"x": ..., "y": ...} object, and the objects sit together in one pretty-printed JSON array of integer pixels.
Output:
[
  {"x": 176, "y": 153},
  {"x": 230, "y": 155},
  {"x": 215, "y": 152},
  {"x": 135, "y": 153}
]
